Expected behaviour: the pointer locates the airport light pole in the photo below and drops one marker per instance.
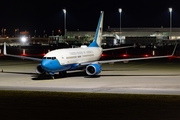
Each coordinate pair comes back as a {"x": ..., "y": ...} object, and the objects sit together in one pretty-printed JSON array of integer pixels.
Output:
[
  {"x": 2, "y": 31},
  {"x": 34, "y": 33},
  {"x": 170, "y": 30},
  {"x": 120, "y": 11},
  {"x": 44, "y": 33},
  {"x": 15, "y": 32},
  {"x": 64, "y": 10},
  {"x": 52, "y": 32}
]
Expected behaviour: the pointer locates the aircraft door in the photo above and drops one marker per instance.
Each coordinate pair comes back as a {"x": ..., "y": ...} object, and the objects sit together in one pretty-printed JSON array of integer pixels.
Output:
[{"x": 63, "y": 61}]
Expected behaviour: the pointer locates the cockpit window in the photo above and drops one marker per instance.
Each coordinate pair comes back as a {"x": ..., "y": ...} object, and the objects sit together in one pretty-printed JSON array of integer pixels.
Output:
[{"x": 53, "y": 58}]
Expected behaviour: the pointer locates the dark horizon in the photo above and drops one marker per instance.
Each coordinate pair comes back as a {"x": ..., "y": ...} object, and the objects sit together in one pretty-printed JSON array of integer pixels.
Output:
[{"x": 84, "y": 15}]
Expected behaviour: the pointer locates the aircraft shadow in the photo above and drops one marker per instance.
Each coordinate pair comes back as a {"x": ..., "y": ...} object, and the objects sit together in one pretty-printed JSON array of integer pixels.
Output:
[
  {"x": 19, "y": 73},
  {"x": 36, "y": 76},
  {"x": 68, "y": 75},
  {"x": 82, "y": 74}
]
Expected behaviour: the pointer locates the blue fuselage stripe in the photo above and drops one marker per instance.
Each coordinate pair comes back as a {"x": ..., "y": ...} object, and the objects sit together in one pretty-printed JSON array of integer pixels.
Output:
[{"x": 53, "y": 66}]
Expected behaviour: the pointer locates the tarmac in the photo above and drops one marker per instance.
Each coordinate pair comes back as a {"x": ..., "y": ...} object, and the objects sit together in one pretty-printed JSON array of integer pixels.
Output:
[{"x": 158, "y": 76}]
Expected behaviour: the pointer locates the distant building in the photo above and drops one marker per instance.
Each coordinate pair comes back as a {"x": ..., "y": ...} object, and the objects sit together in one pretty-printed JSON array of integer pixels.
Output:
[
  {"x": 56, "y": 39},
  {"x": 25, "y": 33},
  {"x": 132, "y": 35}
]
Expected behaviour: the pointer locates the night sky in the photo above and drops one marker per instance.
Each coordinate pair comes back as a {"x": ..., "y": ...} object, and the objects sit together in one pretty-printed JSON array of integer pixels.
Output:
[{"x": 47, "y": 15}]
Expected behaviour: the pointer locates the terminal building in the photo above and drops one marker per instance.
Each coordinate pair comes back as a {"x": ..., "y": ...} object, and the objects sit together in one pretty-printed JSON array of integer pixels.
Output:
[
  {"x": 111, "y": 36},
  {"x": 143, "y": 36}
]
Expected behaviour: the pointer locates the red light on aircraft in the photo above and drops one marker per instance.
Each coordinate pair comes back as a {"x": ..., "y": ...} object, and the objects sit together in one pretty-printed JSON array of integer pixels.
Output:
[
  {"x": 24, "y": 54},
  {"x": 124, "y": 55},
  {"x": 146, "y": 55},
  {"x": 171, "y": 57},
  {"x": 103, "y": 55},
  {"x": 43, "y": 54}
]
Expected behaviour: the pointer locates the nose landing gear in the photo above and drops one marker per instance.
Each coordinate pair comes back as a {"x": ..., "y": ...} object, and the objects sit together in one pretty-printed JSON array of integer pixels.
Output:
[
  {"x": 52, "y": 76},
  {"x": 62, "y": 73}
]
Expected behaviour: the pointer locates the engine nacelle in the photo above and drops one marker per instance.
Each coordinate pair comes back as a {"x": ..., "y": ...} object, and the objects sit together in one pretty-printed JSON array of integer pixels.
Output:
[
  {"x": 93, "y": 69},
  {"x": 39, "y": 69}
]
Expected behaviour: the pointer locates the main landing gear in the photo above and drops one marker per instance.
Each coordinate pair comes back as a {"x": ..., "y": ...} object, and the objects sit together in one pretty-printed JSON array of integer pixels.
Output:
[
  {"x": 62, "y": 74},
  {"x": 52, "y": 76}
]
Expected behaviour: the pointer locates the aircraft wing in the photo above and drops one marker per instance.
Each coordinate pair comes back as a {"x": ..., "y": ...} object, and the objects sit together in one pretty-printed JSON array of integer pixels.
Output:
[
  {"x": 117, "y": 48},
  {"x": 124, "y": 60},
  {"x": 24, "y": 57},
  {"x": 18, "y": 56},
  {"x": 129, "y": 59}
]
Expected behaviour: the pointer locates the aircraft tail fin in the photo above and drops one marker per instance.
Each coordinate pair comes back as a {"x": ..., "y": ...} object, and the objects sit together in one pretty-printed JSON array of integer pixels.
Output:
[{"x": 97, "y": 39}]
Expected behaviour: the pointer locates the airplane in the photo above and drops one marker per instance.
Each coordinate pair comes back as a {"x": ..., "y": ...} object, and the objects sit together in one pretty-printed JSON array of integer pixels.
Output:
[{"x": 83, "y": 58}]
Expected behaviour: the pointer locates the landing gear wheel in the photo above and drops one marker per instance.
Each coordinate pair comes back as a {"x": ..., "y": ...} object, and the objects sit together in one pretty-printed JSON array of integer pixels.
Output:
[
  {"x": 52, "y": 77},
  {"x": 63, "y": 73}
]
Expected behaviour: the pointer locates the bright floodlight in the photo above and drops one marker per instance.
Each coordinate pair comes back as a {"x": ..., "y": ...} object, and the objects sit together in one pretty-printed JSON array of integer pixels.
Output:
[
  {"x": 64, "y": 10},
  {"x": 23, "y": 39},
  {"x": 170, "y": 9},
  {"x": 120, "y": 10}
]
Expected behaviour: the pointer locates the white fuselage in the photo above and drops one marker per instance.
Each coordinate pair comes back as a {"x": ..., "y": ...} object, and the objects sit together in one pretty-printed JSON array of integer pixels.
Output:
[{"x": 76, "y": 55}]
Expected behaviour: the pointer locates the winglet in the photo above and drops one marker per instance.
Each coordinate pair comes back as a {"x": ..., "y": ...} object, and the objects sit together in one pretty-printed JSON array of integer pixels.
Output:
[
  {"x": 174, "y": 50},
  {"x": 4, "y": 49}
]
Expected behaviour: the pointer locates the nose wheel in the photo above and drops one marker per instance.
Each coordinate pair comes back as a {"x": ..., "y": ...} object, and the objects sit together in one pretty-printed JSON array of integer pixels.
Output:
[
  {"x": 52, "y": 76},
  {"x": 62, "y": 73}
]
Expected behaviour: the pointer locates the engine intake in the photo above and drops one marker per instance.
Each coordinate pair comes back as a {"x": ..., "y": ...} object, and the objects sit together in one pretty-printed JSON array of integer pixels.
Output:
[
  {"x": 93, "y": 69},
  {"x": 39, "y": 69}
]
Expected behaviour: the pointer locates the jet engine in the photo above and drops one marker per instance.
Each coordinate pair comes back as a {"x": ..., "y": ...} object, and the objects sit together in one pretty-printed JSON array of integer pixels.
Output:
[
  {"x": 39, "y": 69},
  {"x": 93, "y": 69}
]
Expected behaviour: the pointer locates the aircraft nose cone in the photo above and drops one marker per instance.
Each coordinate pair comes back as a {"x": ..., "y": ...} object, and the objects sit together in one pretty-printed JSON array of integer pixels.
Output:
[
  {"x": 46, "y": 64},
  {"x": 50, "y": 65}
]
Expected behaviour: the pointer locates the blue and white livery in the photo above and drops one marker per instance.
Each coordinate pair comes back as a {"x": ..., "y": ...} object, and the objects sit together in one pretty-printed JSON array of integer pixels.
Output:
[{"x": 85, "y": 57}]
